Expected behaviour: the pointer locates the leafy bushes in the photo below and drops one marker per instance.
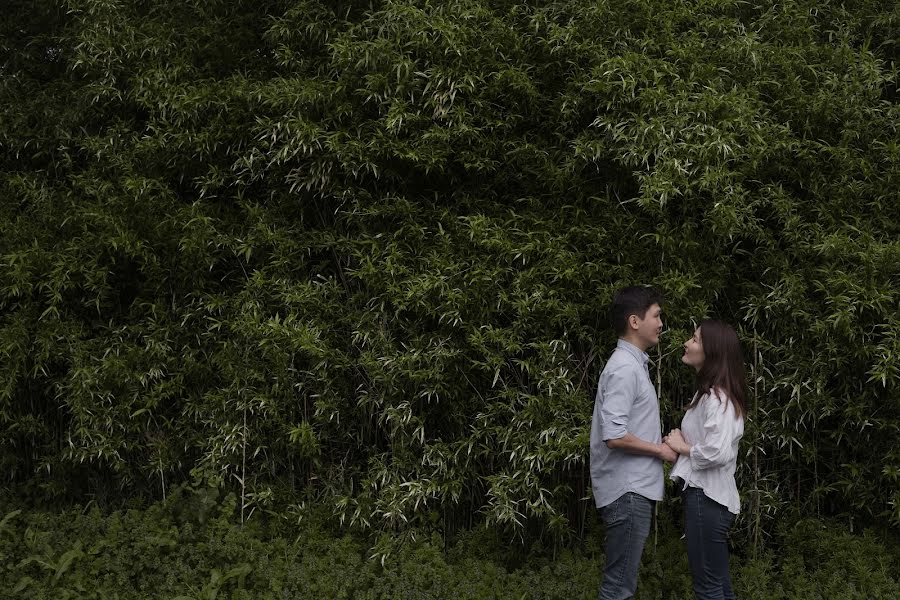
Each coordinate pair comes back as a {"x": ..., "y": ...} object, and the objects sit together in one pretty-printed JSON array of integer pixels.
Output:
[
  {"x": 164, "y": 552},
  {"x": 357, "y": 254}
]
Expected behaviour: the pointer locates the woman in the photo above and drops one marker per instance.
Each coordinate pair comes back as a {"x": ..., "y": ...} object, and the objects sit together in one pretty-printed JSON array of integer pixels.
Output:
[{"x": 707, "y": 445}]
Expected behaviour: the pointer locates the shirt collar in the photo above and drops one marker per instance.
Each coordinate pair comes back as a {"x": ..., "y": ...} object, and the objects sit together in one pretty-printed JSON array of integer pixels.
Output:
[{"x": 642, "y": 357}]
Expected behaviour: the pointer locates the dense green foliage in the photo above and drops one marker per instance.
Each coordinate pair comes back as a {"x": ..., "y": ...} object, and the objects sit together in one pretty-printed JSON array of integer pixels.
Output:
[
  {"x": 357, "y": 253},
  {"x": 193, "y": 549}
]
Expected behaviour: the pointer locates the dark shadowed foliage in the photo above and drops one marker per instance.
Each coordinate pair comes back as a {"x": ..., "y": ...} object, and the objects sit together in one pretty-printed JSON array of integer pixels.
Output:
[{"x": 359, "y": 253}]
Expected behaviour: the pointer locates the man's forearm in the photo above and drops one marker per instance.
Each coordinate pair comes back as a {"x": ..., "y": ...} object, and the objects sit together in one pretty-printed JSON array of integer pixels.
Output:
[{"x": 632, "y": 444}]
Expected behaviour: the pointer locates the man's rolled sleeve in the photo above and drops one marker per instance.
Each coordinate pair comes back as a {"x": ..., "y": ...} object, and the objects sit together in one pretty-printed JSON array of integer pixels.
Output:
[{"x": 619, "y": 390}]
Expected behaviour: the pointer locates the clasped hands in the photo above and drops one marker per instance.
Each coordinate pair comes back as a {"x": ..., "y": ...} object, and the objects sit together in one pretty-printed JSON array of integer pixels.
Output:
[{"x": 676, "y": 442}]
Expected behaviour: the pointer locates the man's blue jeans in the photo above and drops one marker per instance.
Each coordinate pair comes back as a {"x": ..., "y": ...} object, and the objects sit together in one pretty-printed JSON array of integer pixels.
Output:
[
  {"x": 627, "y": 527},
  {"x": 706, "y": 524}
]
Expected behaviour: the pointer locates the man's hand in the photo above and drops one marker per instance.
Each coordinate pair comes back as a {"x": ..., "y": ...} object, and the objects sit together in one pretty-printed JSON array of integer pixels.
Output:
[
  {"x": 667, "y": 454},
  {"x": 675, "y": 440}
]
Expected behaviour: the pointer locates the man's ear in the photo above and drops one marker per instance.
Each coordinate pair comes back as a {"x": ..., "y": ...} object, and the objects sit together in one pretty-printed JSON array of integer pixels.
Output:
[{"x": 633, "y": 321}]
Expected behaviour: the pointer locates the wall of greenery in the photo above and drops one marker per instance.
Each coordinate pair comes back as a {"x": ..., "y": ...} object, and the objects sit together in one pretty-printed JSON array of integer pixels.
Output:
[{"x": 358, "y": 253}]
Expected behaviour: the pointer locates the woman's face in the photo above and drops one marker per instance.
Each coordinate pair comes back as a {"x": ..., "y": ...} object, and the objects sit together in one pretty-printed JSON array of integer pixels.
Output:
[{"x": 693, "y": 351}]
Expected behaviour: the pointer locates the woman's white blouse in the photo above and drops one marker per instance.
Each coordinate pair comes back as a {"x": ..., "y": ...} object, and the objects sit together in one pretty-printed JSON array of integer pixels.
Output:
[{"x": 714, "y": 431}]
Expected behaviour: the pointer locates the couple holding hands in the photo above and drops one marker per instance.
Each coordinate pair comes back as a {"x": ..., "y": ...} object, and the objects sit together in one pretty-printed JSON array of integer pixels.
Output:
[{"x": 628, "y": 448}]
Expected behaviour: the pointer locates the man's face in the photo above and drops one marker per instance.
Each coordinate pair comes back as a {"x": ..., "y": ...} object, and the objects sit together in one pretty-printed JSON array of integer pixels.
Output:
[{"x": 647, "y": 330}]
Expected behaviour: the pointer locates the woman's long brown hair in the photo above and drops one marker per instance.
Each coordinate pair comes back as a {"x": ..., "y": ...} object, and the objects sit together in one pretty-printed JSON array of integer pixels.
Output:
[{"x": 723, "y": 365}]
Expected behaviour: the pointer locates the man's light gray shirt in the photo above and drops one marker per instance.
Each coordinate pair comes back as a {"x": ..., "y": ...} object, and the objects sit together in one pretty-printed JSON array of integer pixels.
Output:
[{"x": 626, "y": 402}]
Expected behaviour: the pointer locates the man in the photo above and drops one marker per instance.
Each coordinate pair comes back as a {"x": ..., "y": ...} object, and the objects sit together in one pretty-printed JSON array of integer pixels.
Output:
[{"x": 627, "y": 452}]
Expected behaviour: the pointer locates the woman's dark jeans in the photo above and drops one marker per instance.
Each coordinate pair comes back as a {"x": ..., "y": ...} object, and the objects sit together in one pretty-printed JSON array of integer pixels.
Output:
[{"x": 706, "y": 524}]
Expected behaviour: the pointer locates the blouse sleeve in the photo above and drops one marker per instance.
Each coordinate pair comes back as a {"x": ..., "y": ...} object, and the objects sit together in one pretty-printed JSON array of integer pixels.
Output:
[{"x": 720, "y": 424}]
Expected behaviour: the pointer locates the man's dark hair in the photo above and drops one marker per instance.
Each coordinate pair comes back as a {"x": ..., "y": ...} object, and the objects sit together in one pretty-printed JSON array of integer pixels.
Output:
[{"x": 632, "y": 300}]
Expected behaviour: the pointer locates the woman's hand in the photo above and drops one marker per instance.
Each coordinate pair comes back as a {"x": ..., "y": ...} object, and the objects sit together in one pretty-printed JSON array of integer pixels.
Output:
[{"x": 675, "y": 440}]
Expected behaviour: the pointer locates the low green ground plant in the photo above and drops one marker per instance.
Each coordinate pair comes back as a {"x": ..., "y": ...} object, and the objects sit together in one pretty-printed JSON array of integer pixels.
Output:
[{"x": 168, "y": 550}]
